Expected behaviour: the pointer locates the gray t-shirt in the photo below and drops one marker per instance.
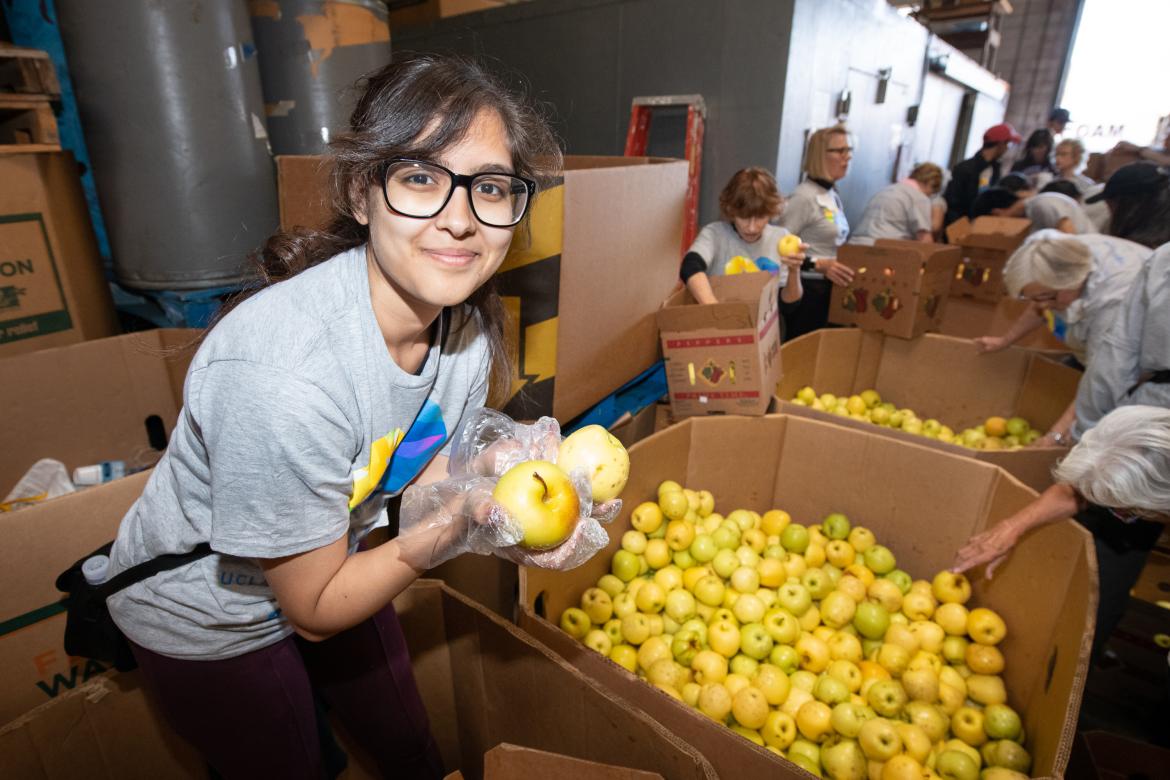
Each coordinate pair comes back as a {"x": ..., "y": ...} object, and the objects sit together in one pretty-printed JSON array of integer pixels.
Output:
[
  {"x": 1047, "y": 209},
  {"x": 296, "y": 427},
  {"x": 818, "y": 217},
  {"x": 718, "y": 242},
  {"x": 897, "y": 211}
]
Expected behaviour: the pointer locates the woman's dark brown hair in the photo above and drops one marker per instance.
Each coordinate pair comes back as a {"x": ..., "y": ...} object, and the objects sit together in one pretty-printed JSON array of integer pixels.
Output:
[
  {"x": 1143, "y": 217},
  {"x": 417, "y": 106},
  {"x": 752, "y": 192}
]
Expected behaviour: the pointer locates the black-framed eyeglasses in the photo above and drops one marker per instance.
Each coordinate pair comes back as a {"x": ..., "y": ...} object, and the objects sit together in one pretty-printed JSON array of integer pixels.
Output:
[{"x": 421, "y": 189}]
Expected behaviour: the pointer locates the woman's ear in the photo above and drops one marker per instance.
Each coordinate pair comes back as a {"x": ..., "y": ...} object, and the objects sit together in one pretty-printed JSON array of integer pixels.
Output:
[{"x": 360, "y": 197}]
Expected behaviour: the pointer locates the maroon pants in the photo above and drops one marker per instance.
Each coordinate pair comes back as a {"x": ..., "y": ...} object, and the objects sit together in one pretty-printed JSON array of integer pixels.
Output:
[{"x": 254, "y": 715}]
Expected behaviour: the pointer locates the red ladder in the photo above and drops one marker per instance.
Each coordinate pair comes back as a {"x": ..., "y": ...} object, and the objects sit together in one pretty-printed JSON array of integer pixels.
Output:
[{"x": 639, "y": 131}]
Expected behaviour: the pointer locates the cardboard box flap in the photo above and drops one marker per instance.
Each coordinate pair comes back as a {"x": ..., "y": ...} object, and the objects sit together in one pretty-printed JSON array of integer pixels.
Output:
[
  {"x": 1046, "y": 386},
  {"x": 739, "y": 308},
  {"x": 1004, "y": 233},
  {"x": 934, "y": 256},
  {"x": 507, "y": 762},
  {"x": 958, "y": 230}
]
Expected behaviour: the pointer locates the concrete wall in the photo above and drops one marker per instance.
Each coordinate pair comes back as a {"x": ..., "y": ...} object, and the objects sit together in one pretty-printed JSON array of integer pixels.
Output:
[
  {"x": 590, "y": 58},
  {"x": 1033, "y": 55},
  {"x": 770, "y": 70},
  {"x": 842, "y": 44}
]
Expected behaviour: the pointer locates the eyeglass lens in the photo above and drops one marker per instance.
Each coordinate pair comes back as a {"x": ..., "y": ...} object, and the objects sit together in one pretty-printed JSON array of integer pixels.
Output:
[{"x": 422, "y": 190}]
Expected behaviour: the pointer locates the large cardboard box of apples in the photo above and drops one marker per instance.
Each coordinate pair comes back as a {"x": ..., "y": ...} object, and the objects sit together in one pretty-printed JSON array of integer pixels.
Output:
[
  {"x": 968, "y": 318},
  {"x": 987, "y": 243},
  {"x": 483, "y": 682},
  {"x": 899, "y": 287},
  {"x": 582, "y": 279},
  {"x": 940, "y": 379},
  {"x": 723, "y": 358},
  {"x": 920, "y": 503}
]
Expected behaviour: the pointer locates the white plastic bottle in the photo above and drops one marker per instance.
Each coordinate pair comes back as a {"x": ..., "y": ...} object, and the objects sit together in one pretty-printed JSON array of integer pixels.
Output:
[
  {"x": 98, "y": 473},
  {"x": 96, "y": 569}
]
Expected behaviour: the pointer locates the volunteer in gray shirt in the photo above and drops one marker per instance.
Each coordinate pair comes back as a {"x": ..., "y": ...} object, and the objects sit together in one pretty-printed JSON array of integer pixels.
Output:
[
  {"x": 816, "y": 214},
  {"x": 743, "y": 241},
  {"x": 306, "y": 408},
  {"x": 1053, "y": 209},
  {"x": 903, "y": 210}
]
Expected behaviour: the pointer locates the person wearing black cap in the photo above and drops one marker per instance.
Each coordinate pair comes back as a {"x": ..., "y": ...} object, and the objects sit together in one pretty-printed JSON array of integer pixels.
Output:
[
  {"x": 980, "y": 171},
  {"x": 1138, "y": 196},
  {"x": 1058, "y": 119}
]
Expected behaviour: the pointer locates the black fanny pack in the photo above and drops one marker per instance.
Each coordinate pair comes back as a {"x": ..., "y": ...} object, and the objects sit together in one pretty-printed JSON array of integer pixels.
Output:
[
  {"x": 90, "y": 632},
  {"x": 1159, "y": 377}
]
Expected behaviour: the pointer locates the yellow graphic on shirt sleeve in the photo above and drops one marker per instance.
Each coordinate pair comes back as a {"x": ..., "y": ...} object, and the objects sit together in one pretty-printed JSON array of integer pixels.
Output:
[{"x": 366, "y": 480}]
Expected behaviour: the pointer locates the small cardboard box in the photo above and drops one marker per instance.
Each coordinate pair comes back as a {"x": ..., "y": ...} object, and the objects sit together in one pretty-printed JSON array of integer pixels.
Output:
[
  {"x": 482, "y": 680},
  {"x": 899, "y": 287},
  {"x": 923, "y": 503},
  {"x": 723, "y": 358},
  {"x": 52, "y": 288},
  {"x": 108, "y": 399},
  {"x": 968, "y": 318},
  {"x": 987, "y": 243},
  {"x": 940, "y": 377},
  {"x": 582, "y": 279}
]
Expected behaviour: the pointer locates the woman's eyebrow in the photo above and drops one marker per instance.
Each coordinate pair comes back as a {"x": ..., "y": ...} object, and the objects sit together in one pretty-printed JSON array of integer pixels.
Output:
[{"x": 493, "y": 168}]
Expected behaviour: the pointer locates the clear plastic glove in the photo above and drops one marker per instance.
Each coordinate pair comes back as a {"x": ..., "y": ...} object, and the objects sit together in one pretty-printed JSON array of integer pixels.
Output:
[
  {"x": 490, "y": 443},
  {"x": 442, "y": 520}
]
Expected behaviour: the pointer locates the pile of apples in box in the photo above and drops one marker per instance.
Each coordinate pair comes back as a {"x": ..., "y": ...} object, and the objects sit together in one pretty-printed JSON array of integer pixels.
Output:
[{"x": 808, "y": 641}]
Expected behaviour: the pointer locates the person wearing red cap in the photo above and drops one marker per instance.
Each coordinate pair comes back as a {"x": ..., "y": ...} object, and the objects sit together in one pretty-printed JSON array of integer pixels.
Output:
[{"x": 979, "y": 171}]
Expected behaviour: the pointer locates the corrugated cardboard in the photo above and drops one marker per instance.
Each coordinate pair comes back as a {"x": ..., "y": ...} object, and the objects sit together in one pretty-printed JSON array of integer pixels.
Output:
[
  {"x": 940, "y": 377},
  {"x": 91, "y": 402},
  {"x": 507, "y": 762},
  {"x": 923, "y": 503},
  {"x": 483, "y": 682},
  {"x": 632, "y": 428},
  {"x": 987, "y": 243},
  {"x": 52, "y": 288},
  {"x": 899, "y": 287},
  {"x": 968, "y": 318},
  {"x": 723, "y": 358},
  {"x": 581, "y": 282},
  {"x": 407, "y": 13}
]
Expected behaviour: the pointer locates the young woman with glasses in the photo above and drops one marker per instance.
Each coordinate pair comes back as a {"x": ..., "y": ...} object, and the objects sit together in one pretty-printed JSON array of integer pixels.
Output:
[
  {"x": 332, "y": 387},
  {"x": 816, "y": 214}
]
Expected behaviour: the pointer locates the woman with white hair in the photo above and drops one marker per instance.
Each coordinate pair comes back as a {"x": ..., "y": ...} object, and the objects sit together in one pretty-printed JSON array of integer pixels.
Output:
[
  {"x": 1117, "y": 482},
  {"x": 1074, "y": 282}
]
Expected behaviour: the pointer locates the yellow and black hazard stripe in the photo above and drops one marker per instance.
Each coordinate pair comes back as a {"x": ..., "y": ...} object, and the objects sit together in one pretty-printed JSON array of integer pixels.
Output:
[{"x": 529, "y": 281}]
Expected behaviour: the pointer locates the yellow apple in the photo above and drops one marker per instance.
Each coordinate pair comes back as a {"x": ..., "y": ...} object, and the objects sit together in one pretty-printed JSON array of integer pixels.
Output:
[
  {"x": 789, "y": 246},
  {"x": 540, "y": 497},
  {"x": 985, "y": 626},
  {"x": 715, "y": 702}
]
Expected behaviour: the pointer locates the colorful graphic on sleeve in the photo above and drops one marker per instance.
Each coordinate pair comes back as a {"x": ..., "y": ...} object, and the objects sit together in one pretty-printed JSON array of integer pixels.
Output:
[{"x": 397, "y": 457}]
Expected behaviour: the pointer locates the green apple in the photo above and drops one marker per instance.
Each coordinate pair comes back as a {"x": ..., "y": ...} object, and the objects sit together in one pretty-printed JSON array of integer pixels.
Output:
[
  {"x": 956, "y": 765},
  {"x": 725, "y": 538},
  {"x": 1007, "y": 754},
  {"x": 755, "y": 641},
  {"x": 817, "y": 582},
  {"x": 785, "y": 657},
  {"x": 743, "y": 665},
  {"x": 1018, "y": 427},
  {"x": 613, "y": 629},
  {"x": 1001, "y": 722},
  {"x": 830, "y": 690},
  {"x": 703, "y": 549},
  {"x": 575, "y": 622},
  {"x": 886, "y": 697},
  {"x": 954, "y": 649},
  {"x": 879, "y": 739},
  {"x": 848, "y": 718},
  {"x": 900, "y": 578},
  {"x": 930, "y": 717},
  {"x": 724, "y": 563},
  {"x": 685, "y": 646},
  {"x": 541, "y": 499},
  {"x": 842, "y": 758},
  {"x": 601, "y": 456},
  {"x": 836, "y": 526},
  {"x": 794, "y": 597},
  {"x": 795, "y": 538},
  {"x": 879, "y": 559},
  {"x": 599, "y": 641},
  {"x": 871, "y": 620},
  {"x": 805, "y": 754},
  {"x": 624, "y": 565}
]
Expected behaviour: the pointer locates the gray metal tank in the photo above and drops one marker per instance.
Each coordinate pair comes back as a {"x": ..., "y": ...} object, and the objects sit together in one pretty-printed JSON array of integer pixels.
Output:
[
  {"x": 311, "y": 52},
  {"x": 172, "y": 110}
]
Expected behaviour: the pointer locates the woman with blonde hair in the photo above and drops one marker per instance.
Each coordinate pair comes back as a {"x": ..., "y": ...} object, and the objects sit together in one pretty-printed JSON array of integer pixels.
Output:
[
  {"x": 902, "y": 210},
  {"x": 1074, "y": 283},
  {"x": 816, "y": 214}
]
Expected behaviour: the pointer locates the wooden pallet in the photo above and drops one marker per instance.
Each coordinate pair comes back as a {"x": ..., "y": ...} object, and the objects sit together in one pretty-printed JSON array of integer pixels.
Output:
[
  {"x": 27, "y": 124},
  {"x": 27, "y": 72}
]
